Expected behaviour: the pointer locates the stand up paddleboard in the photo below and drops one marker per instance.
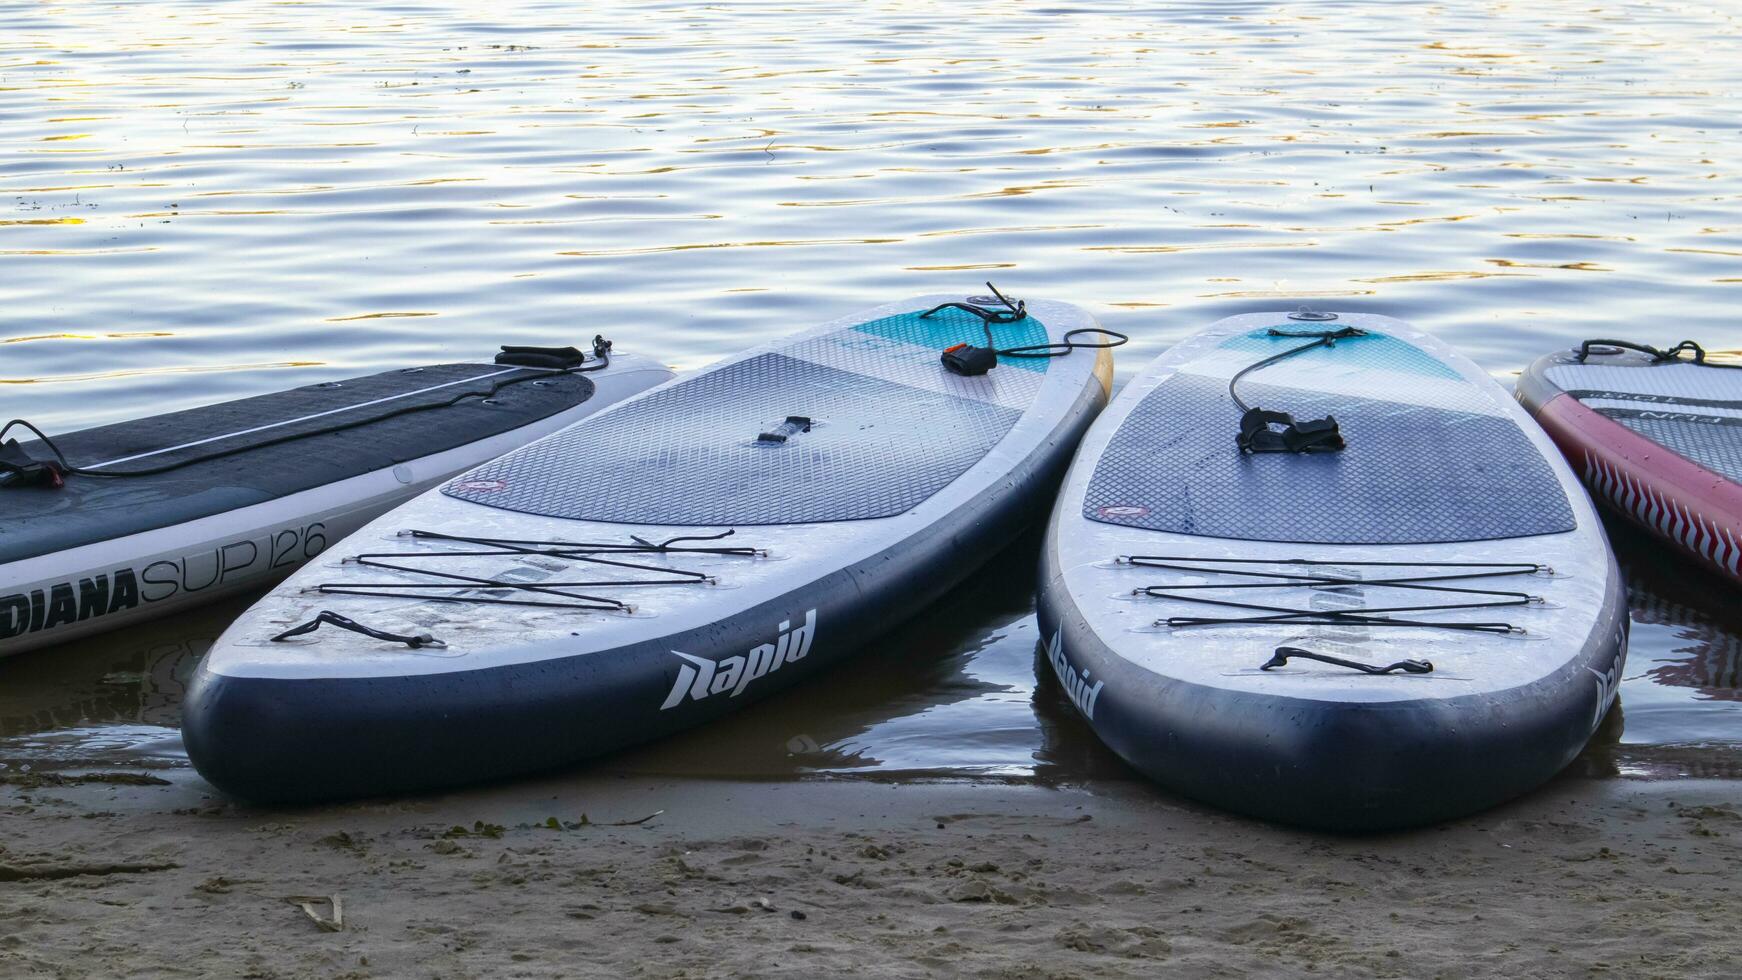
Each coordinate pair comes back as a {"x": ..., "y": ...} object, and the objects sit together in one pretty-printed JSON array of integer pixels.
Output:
[
  {"x": 676, "y": 557},
  {"x": 105, "y": 527},
  {"x": 1394, "y": 607},
  {"x": 1657, "y": 437}
]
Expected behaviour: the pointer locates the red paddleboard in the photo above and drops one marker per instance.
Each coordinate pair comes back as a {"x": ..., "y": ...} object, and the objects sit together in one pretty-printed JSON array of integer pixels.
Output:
[{"x": 1656, "y": 435}]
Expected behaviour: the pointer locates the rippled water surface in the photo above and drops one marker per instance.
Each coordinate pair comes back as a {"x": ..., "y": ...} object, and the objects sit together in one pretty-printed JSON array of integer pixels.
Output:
[{"x": 202, "y": 201}]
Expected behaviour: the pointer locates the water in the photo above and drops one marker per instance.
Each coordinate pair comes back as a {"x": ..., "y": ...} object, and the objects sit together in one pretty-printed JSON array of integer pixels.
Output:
[{"x": 200, "y": 202}]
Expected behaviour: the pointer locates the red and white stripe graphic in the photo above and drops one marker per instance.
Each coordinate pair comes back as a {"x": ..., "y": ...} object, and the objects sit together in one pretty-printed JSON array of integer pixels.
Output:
[
  {"x": 1681, "y": 501},
  {"x": 1673, "y": 520}
]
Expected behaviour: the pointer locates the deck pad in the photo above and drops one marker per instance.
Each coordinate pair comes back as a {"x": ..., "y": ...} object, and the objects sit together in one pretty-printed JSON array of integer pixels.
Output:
[
  {"x": 1439, "y": 467},
  {"x": 889, "y": 430},
  {"x": 39, "y": 520},
  {"x": 1693, "y": 410}
]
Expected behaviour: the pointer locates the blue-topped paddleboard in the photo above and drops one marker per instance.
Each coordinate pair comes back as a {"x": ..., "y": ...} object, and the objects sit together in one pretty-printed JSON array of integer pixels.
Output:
[
  {"x": 1213, "y": 612},
  {"x": 697, "y": 548}
]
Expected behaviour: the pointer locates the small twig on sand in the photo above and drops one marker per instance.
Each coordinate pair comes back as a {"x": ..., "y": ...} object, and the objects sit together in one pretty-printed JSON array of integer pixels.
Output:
[
  {"x": 308, "y": 905},
  {"x": 586, "y": 821}
]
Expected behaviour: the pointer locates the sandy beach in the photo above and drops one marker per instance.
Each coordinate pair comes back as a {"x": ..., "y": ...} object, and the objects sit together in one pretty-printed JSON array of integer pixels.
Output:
[{"x": 564, "y": 877}]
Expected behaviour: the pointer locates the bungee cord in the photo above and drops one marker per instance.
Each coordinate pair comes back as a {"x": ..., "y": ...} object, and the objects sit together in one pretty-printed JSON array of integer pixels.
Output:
[
  {"x": 1372, "y": 616},
  {"x": 457, "y": 587}
]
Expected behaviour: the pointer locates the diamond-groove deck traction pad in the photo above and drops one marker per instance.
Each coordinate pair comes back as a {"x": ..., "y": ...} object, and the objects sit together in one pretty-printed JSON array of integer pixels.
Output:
[
  {"x": 1692, "y": 410},
  {"x": 688, "y": 454},
  {"x": 1411, "y": 474}
]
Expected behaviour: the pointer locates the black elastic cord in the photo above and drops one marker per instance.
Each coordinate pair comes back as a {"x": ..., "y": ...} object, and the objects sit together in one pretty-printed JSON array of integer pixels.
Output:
[
  {"x": 1657, "y": 356},
  {"x": 1367, "y": 616},
  {"x": 1282, "y": 655},
  {"x": 1066, "y": 345},
  {"x": 461, "y": 588},
  {"x": 1267, "y": 431},
  {"x": 601, "y": 351},
  {"x": 1017, "y": 311},
  {"x": 1423, "y": 582},
  {"x": 1284, "y": 616},
  {"x": 1012, "y": 313},
  {"x": 330, "y": 618},
  {"x": 1323, "y": 338}
]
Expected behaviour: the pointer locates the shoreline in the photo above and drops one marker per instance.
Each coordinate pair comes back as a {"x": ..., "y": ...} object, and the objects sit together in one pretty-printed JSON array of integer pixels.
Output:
[{"x": 670, "y": 877}]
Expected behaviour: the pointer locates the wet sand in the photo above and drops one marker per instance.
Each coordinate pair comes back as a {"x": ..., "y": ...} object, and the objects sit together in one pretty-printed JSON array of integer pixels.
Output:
[{"x": 823, "y": 877}]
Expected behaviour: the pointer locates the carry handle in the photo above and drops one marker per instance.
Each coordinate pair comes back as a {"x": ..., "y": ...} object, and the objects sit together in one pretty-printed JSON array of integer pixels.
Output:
[{"x": 778, "y": 435}]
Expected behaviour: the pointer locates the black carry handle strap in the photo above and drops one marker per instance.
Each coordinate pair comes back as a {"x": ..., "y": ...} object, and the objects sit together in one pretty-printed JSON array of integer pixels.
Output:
[
  {"x": 565, "y": 359},
  {"x": 777, "y": 436},
  {"x": 555, "y": 358},
  {"x": 331, "y": 618},
  {"x": 1282, "y": 655}
]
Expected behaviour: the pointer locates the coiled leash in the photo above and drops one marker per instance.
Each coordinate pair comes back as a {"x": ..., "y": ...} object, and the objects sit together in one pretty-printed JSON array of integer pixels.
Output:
[
  {"x": 19, "y": 469},
  {"x": 1658, "y": 356},
  {"x": 969, "y": 361},
  {"x": 1266, "y": 431}
]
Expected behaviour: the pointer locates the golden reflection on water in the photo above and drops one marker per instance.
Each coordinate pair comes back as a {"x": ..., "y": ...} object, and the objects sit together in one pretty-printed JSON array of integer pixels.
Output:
[{"x": 122, "y": 374}]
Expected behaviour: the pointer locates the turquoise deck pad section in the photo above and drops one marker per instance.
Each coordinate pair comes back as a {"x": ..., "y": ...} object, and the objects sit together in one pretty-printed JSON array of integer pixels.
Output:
[
  {"x": 1410, "y": 474},
  {"x": 688, "y": 453},
  {"x": 1372, "y": 350},
  {"x": 947, "y": 328}
]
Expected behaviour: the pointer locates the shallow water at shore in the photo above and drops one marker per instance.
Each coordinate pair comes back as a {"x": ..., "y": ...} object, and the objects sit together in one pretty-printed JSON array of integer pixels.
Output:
[
  {"x": 201, "y": 202},
  {"x": 952, "y": 694}
]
